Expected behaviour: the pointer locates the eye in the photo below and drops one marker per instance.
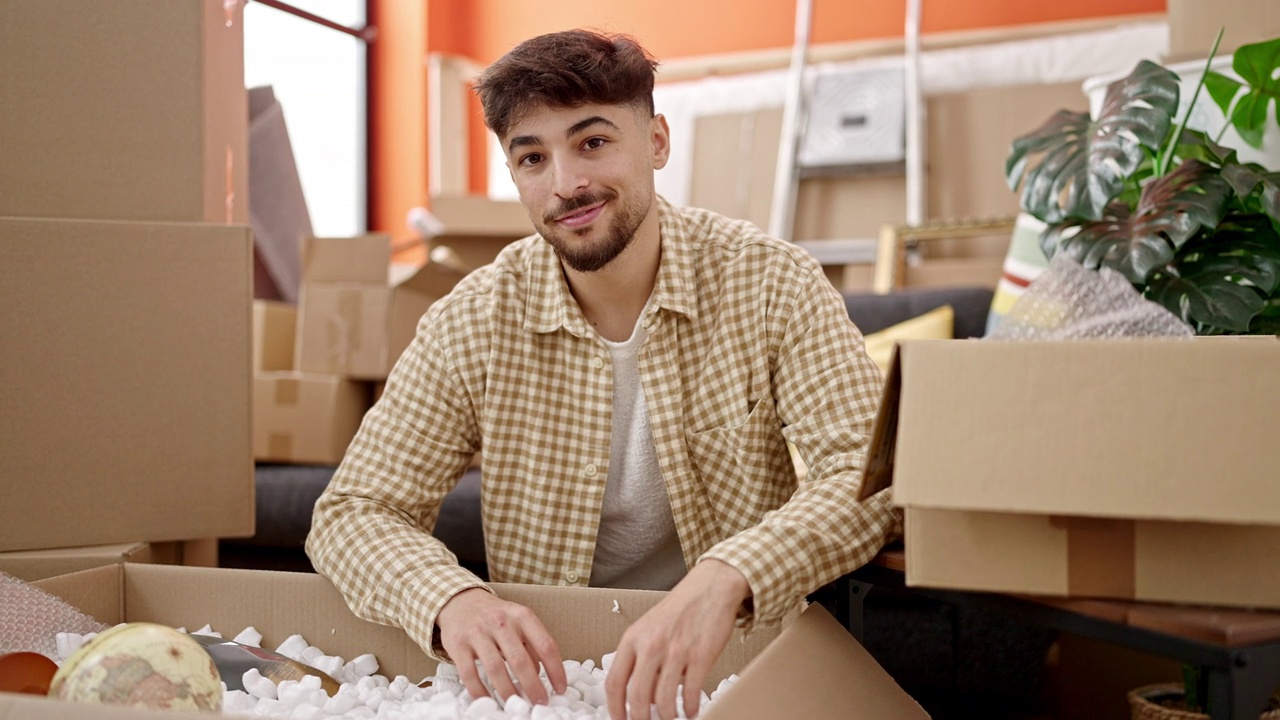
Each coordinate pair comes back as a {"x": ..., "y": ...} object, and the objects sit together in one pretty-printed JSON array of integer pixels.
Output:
[
  {"x": 594, "y": 143},
  {"x": 530, "y": 160}
]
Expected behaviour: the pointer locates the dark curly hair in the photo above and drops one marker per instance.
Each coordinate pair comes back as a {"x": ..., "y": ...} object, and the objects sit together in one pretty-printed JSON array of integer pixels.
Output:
[{"x": 564, "y": 70}]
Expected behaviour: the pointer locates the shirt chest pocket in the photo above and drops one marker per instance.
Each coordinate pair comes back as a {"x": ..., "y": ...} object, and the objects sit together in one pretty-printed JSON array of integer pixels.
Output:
[{"x": 743, "y": 466}]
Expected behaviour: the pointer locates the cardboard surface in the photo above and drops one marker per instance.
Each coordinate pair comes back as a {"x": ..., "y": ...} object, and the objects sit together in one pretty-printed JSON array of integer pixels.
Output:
[
  {"x": 835, "y": 671},
  {"x": 354, "y": 318},
  {"x": 131, "y": 110},
  {"x": 306, "y": 418},
  {"x": 1111, "y": 468},
  {"x": 476, "y": 228},
  {"x": 274, "y": 330},
  {"x": 125, "y": 410},
  {"x": 1184, "y": 562},
  {"x": 1193, "y": 25},
  {"x": 1108, "y": 428},
  {"x": 32, "y": 565}
]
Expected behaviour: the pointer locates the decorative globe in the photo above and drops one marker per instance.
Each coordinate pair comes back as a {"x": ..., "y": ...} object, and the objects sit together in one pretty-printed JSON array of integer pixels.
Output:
[{"x": 140, "y": 665}]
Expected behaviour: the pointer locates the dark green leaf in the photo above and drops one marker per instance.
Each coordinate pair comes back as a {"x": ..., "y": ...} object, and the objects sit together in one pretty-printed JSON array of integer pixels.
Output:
[
  {"x": 1271, "y": 195},
  {"x": 1170, "y": 210},
  {"x": 1082, "y": 163},
  {"x": 1242, "y": 178},
  {"x": 1245, "y": 247},
  {"x": 1267, "y": 322},
  {"x": 1196, "y": 145},
  {"x": 1209, "y": 302}
]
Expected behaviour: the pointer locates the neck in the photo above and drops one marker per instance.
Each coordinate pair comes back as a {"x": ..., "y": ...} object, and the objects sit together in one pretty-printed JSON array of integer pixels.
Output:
[{"x": 612, "y": 297}]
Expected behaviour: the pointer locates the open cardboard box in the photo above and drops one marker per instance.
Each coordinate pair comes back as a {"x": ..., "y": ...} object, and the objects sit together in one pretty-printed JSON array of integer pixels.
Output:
[
  {"x": 1135, "y": 469},
  {"x": 125, "y": 407},
  {"x": 812, "y": 668},
  {"x": 357, "y": 314},
  {"x": 475, "y": 228}
]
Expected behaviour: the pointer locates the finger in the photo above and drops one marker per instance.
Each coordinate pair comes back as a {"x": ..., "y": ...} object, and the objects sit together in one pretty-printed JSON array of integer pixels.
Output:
[
  {"x": 465, "y": 661},
  {"x": 615, "y": 683},
  {"x": 667, "y": 687},
  {"x": 694, "y": 678},
  {"x": 543, "y": 649},
  {"x": 494, "y": 667},
  {"x": 522, "y": 667},
  {"x": 640, "y": 685}
]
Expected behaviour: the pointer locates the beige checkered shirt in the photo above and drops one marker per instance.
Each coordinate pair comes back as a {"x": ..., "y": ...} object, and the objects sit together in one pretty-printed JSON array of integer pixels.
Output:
[{"x": 749, "y": 345}]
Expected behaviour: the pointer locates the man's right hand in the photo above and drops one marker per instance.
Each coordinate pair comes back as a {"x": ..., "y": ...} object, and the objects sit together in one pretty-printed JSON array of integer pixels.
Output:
[{"x": 477, "y": 625}]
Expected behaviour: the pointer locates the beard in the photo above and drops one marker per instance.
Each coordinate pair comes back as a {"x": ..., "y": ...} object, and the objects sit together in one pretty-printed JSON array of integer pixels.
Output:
[{"x": 581, "y": 255}]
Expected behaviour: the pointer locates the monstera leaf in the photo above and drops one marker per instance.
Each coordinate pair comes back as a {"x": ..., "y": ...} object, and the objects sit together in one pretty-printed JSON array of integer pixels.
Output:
[
  {"x": 1170, "y": 211},
  {"x": 1254, "y": 64},
  {"x": 1083, "y": 163},
  {"x": 1223, "y": 281}
]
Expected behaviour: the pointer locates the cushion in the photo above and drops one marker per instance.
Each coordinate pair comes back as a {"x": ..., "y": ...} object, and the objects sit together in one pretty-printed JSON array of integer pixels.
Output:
[
  {"x": 1024, "y": 262},
  {"x": 937, "y": 324}
]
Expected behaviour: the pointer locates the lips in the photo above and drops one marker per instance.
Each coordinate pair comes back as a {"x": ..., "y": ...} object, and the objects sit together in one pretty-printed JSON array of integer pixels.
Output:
[{"x": 581, "y": 217}]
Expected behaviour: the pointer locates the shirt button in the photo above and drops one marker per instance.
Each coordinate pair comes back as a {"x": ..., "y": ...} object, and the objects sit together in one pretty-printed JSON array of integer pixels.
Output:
[
  {"x": 590, "y": 470},
  {"x": 597, "y": 363},
  {"x": 571, "y": 576}
]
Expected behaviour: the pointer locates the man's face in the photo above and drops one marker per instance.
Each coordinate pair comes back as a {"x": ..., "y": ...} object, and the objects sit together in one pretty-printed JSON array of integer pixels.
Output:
[{"x": 585, "y": 176}]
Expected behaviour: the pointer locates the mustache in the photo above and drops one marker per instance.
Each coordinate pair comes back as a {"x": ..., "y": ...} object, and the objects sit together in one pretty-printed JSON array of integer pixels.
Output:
[{"x": 577, "y": 202}]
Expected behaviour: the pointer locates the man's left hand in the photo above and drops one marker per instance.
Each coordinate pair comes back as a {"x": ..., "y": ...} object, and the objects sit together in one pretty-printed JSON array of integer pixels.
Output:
[{"x": 676, "y": 643}]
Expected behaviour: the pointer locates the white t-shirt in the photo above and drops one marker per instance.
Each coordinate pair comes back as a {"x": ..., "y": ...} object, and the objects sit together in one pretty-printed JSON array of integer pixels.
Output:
[{"x": 637, "y": 545}]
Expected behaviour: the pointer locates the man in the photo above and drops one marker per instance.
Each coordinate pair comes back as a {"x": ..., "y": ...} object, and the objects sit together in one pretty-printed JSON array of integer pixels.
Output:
[{"x": 633, "y": 373}]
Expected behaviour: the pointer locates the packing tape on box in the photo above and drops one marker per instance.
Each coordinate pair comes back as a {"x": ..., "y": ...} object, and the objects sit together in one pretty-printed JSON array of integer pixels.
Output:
[
  {"x": 287, "y": 392},
  {"x": 342, "y": 331},
  {"x": 280, "y": 446},
  {"x": 1100, "y": 556}
]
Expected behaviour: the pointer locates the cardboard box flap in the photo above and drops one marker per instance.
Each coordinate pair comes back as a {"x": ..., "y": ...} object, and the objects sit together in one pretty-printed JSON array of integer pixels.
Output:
[
  {"x": 877, "y": 473},
  {"x": 432, "y": 279},
  {"x": 362, "y": 259},
  {"x": 815, "y": 670},
  {"x": 1139, "y": 428},
  {"x": 98, "y": 592},
  {"x": 476, "y": 215}
]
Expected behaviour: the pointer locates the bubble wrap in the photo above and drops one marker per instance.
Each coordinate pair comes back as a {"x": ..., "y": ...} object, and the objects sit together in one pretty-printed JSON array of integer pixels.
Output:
[
  {"x": 1069, "y": 301},
  {"x": 30, "y": 618}
]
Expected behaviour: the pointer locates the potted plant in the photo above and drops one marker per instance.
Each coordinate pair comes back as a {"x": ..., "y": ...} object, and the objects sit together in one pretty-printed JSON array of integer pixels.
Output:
[{"x": 1190, "y": 225}]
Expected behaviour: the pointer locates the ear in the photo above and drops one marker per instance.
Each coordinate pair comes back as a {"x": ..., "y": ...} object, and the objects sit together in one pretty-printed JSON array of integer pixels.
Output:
[{"x": 661, "y": 136}]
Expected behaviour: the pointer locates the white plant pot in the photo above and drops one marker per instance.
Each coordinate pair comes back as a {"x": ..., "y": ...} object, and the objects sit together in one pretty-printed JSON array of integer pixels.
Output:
[{"x": 1207, "y": 116}]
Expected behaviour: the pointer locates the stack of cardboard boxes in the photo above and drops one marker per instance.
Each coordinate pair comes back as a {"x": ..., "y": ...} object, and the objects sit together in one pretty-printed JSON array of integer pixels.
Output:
[
  {"x": 124, "y": 412},
  {"x": 318, "y": 365}
]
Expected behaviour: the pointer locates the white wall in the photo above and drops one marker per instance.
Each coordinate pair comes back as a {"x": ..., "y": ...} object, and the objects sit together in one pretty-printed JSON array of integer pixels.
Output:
[{"x": 318, "y": 75}]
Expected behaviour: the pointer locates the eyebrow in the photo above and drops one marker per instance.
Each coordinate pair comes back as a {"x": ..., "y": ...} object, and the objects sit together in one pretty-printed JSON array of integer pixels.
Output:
[{"x": 574, "y": 129}]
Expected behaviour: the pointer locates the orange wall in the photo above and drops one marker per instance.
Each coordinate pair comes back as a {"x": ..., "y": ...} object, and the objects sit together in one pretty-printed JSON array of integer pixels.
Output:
[
  {"x": 682, "y": 28},
  {"x": 484, "y": 29},
  {"x": 397, "y": 113}
]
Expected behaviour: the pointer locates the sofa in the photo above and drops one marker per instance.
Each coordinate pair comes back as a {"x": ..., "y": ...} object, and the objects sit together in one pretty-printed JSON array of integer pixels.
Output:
[
  {"x": 287, "y": 493},
  {"x": 949, "y": 659}
]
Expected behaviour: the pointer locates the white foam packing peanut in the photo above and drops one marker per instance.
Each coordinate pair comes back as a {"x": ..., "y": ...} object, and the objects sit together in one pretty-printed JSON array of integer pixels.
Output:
[{"x": 364, "y": 695}]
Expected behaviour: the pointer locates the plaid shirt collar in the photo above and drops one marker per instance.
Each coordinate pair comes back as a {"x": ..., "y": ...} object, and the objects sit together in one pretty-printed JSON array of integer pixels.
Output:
[{"x": 549, "y": 305}]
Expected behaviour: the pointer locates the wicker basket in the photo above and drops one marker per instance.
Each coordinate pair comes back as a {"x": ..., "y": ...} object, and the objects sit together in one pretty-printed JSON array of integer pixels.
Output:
[{"x": 1143, "y": 706}]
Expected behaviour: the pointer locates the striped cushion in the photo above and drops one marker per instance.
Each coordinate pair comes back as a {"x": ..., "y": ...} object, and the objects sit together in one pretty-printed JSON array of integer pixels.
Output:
[{"x": 1024, "y": 262}]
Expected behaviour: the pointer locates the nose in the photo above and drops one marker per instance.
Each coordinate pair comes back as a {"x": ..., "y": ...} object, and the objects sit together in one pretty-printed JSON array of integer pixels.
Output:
[{"x": 569, "y": 179}]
